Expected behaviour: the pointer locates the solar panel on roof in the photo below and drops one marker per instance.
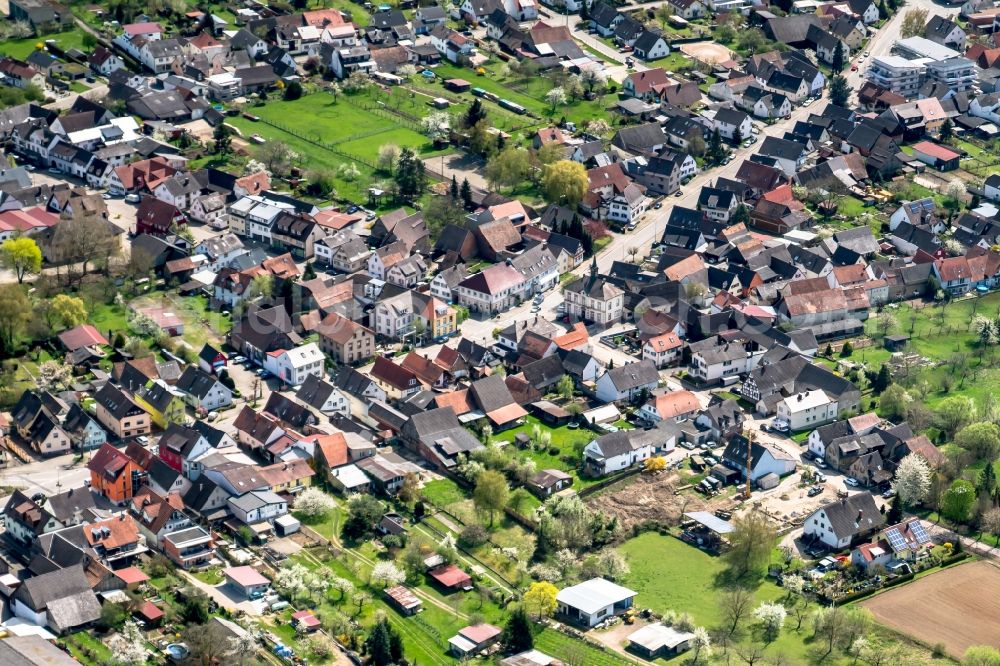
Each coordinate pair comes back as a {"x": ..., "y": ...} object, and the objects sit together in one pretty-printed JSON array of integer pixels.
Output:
[
  {"x": 896, "y": 539},
  {"x": 919, "y": 532}
]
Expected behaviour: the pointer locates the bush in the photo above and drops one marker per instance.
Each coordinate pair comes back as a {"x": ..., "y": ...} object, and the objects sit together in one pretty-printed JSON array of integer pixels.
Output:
[
  {"x": 553, "y": 450},
  {"x": 472, "y": 536},
  {"x": 939, "y": 650}
]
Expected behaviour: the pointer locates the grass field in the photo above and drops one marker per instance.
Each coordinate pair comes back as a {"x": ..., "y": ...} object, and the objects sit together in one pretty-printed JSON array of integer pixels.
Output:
[
  {"x": 668, "y": 574},
  {"x": 529, "y": 93},
  {"x": 957, "y": 607},
  {"x": 569, "y": 443},
  {"x": 942, "y": 334},
  {"x": 22, "y": 48},
  {"x": 560, "y": 645}
]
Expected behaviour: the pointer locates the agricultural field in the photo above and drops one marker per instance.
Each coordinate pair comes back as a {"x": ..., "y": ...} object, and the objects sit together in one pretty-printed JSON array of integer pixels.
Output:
[{"x": 957, "y": 607}]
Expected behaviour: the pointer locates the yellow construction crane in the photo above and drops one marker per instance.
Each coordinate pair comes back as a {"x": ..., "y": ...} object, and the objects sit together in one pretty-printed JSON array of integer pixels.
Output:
[{"x": 751, "y": 437}]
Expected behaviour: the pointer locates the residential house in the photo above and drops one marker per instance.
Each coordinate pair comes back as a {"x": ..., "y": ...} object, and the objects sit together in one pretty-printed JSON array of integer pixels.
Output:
[
  {"x": 119, "y": 414},
  {"x": 292, "y": 366},
  {"x": 844, "y": 522},
  {"x": 627, "y": 381},
  {"x": 204, "y": 391}
]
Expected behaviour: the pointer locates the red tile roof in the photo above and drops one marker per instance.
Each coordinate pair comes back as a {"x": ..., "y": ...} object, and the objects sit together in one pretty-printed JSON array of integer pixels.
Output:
[
  {"x": 449, "y": 575},
  {"x": 84, "y": 335},
  {"x": 934, "y": 150}
]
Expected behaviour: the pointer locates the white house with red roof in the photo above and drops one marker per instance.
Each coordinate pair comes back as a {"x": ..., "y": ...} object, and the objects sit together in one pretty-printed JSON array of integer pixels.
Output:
[{"x": 663, "y": 350}]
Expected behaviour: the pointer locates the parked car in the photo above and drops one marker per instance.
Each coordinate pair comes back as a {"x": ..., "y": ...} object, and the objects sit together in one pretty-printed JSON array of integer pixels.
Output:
[
  {"x": 815, "y": 490},
  {"x": 852, "y": 482},
  {"x": 132, "y": 198},
  {"x": 778, "y": 425},
  {"x": 889, "y": 494}
]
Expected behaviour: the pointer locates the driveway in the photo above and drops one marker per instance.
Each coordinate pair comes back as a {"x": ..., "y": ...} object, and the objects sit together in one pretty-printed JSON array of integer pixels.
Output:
[{"x": 227, "y": 598}]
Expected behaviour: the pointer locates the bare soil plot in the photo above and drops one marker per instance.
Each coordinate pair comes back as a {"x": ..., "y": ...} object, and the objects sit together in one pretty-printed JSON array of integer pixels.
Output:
[
  {"x": 645, "y": 497},
  {"x": 707, "y": 52},
  {"x": 958, "y": 607}
]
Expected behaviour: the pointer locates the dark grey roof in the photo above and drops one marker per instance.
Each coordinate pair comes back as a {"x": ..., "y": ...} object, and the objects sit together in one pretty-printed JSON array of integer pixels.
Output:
[
  {"x": 196, "y": 381},
  {"x": 634, "y": 375},
  {"x": 853, "y": 516}
]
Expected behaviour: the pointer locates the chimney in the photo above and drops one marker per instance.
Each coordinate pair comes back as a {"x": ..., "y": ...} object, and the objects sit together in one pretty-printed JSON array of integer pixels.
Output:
[{"x": 861, "y": 515}]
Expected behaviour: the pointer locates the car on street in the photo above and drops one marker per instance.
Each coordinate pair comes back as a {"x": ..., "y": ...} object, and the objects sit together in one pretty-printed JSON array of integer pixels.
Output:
[
  {"x": 820, "y": 463},
  {"x": 29, "y": 167},
  {"x": 852, "y": 482},
  {"x": 678, "y": 194},
  {"x": 105, "y": 196},
  {"x": 867, "y": 53},
  {"x": 854, "y": 68},
  {"x": 142, "y": 439},
  {"x": 239, "y": 359},
  {"x": 658, "y": 205},
  {"x": 132, "y": 198},
  {"x": 352, "y": 209},
  {"x": 815, "y": 490}
]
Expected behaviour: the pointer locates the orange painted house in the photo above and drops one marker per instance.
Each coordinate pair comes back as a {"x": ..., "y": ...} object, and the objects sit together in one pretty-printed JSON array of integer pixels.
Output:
[{"x": 114, "y": 474}]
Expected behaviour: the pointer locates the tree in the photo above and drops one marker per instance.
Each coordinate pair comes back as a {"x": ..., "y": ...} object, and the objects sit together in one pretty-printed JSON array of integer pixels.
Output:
[
  {"x": 313, "y": 503},
  {"x": 276, "y": 156},
  {"x": 655, "y": 464},
  {"x": 565, "y": 183},
  {"x": 913, "y": 23},
  {"x": 540, "y": 599},
  {"x": 508, "y": 168},
  {"x": 128, "y": 647},
  {"x": 838, "y": 57},
  {"x": 223, "y": 139},
  {"x": 894, "y": 402},
  {"x": 387, "y": 574},
  {"x": 913, "y": 480},
  {"x": 612, "y": 565},
  {"x": 261, "y": 286},
  {"x": 195, "y": 607},
  {"x": 958, "y": 500},
  {"x": 751, "y": 541},
  {"x": 840, "y": 92},
  {"x": 716, "y": 151},
  {"x": 291, "y": 579},
  {"x": 883, "y": 11},
  {"x": 565, "y": 387},
  {"x": 70, "y": 311},
  {"x": 491, "y": 493},
  {"x": 696, "y": 146},
  {"x": 442, "y": 211},
  {"x": 735, "y": 605},
  {"x": 384, "y": 644},
  {"x": 21, "y": 255},
  {"x": 829, "y": 624},
  {"x": 592, "y": 80},
  {"x": 555, "y": 97},
  {"x": 242, "y": 646},
  {"x": 388, "y": 154},
  {"x": 953, "y": 413},
  {"x": 991, "y": 522},
  {"x": 981, "y": 655},
  {"x": 293, "y": 91},
  {"x": 437, "y": 126},
  {"x": 84, "y": 238},
  {"x": 207, "y": 642},
  {"x": 15, "y": 314},
  {"x": 982, "y": 440},
  {"x": 363, "y": 512},
  {"x": 465, "y": 194},
  {"x": 516, "y": 636},
  {"x": 772, "y": 618},
  {"x": 410, "y": 176},
  {"x": 947, "y": 129},
  {"x": 475, "y": 114}
]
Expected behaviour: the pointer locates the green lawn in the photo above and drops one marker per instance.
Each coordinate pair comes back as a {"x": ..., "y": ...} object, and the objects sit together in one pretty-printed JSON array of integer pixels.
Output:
[
  {"x": 443, "y": 493},
  {"x": 668, "y": 574},
  {"x": 22, "y": 48},
  {"x": 529, "y": 93},
  {"x": 942, "y": 333},
  {"x": 560, "y": 645},
  {"x": 569, "y": 444},
  {"x": 341, "y": 126}
]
